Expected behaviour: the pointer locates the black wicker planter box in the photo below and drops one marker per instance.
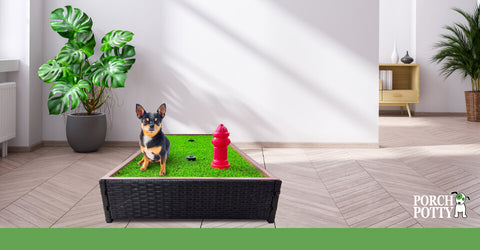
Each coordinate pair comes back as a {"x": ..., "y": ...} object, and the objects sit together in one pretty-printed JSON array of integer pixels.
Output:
[{"x": 190, "y": 197}]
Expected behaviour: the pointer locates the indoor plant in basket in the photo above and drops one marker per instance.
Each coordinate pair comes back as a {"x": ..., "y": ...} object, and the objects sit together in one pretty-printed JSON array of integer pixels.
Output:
[
  {"x": 77, "y": 80},
  {"x": 459, "y": 50}
]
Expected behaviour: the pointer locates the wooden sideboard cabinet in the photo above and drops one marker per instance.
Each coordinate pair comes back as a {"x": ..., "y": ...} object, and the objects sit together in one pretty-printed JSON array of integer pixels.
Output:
[{"x": 405, "y": 86}]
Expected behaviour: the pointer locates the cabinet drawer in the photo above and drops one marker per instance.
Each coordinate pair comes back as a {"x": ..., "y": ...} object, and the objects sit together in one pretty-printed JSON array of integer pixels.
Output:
[{"x": 400, "y": 96}]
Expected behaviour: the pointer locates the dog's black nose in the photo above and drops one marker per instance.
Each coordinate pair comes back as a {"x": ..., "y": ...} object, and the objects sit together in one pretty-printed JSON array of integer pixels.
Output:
[{"x": 151, "y": 125}]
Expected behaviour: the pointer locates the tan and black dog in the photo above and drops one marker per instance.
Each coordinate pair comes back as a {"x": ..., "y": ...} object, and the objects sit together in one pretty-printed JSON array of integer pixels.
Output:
[{"x": 154, "y": 144}]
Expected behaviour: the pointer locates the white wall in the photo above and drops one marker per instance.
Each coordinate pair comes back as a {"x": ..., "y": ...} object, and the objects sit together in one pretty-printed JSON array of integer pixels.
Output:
[
  {"x": 397, "y": 23},
  {"x": 419, "y": 29},
  {"x": 20, "y": 39},
  {"x": 36, "y": 60},
  {"x": 281, "y": 71}
]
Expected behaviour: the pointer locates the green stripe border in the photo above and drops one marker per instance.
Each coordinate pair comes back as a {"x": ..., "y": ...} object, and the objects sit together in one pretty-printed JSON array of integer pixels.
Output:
[{"x": 238, "y": 238}]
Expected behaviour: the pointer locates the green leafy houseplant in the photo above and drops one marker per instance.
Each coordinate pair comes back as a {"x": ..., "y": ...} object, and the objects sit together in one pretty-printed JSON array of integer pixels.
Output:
[
  {"x": 459, "y": 49},
  {"x": 75, "y": 79}
]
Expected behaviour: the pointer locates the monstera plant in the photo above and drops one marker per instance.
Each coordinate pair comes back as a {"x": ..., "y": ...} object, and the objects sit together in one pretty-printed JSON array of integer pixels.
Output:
[{"x": 75, "y": 79}]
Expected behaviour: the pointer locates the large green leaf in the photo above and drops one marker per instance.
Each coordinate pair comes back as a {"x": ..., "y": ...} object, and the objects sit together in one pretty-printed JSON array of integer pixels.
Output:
[
  {"x": 86, "y": 38},
  {"x": 52, "y": 71},
  {"x": 124, "y": 53},
  {"x": 74, "y": 52},
  {"x": 65, "y": 95},
  {"x": 71, "y": 22},
  {"x": 109, "y": 72},
  {"x": 116, "y": 39}
]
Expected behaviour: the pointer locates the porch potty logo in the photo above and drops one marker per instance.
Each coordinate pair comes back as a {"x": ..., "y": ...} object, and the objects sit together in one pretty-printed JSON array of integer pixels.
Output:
[{"x": 440, "y": 206}]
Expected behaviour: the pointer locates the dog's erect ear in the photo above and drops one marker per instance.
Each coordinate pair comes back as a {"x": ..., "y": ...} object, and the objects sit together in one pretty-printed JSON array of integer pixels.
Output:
[
  {"x": 453, "y": 193},
  {"x": 140, "y": 111},
  {"x": 162, "y": 109}
]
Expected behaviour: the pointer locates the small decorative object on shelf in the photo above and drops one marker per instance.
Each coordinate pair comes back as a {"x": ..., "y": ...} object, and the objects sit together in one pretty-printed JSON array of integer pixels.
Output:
[
  {"x": 394, "y": 56},
  {"x": 407, "y": 59},
  {"x": 387, "y": 79},
  {"x": 220, "y": 150}
]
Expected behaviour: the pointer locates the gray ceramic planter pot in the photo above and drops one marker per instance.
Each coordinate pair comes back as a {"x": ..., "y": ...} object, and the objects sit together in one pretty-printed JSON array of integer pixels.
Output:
[{"x": 86, "y": 133}]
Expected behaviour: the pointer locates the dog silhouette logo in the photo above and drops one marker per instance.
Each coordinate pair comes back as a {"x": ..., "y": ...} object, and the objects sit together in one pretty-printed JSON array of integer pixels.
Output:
[{"x": 460, "y": 204}]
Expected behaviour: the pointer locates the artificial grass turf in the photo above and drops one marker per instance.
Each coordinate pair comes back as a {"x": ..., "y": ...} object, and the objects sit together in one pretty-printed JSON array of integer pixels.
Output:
[{"x": 178, "y": 166}]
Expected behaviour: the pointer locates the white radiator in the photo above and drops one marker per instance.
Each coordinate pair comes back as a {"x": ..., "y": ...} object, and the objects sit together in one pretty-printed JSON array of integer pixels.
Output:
[{"x": 7, "y": 113}]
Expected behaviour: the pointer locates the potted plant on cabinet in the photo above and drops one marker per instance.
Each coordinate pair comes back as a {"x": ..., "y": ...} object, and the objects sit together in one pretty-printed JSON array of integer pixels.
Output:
[
  {"x": 77, "y": 80},
  {"x": 459, "y": 50}
]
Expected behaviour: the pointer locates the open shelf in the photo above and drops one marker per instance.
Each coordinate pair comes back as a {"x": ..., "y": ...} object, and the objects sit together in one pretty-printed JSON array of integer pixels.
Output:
[{"x": 405, "y": 86}]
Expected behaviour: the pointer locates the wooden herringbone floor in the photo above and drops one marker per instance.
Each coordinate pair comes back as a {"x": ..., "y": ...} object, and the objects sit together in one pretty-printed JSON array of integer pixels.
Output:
[{"x": 322, "y": 187}]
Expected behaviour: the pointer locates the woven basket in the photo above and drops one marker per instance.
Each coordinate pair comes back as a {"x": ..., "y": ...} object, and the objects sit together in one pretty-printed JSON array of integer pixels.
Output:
[
  {"x": 190, "y": 197},
  {"x": 472, "y": 100}
]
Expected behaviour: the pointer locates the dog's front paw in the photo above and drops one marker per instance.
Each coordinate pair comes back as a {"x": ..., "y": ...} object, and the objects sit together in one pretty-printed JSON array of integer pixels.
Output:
[
  {"x": 162, "y": 173},
  {"x": 143, "y": 168}
]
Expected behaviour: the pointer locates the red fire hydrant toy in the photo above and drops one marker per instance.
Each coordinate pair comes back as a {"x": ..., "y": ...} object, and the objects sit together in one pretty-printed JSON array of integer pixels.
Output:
[{"x": 220, "y": 147}]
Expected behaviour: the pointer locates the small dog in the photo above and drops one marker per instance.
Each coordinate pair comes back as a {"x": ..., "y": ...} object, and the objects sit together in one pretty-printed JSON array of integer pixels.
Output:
[
  {"x": 154, "y": 144},
  {"x": 460, "y": 206}
]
